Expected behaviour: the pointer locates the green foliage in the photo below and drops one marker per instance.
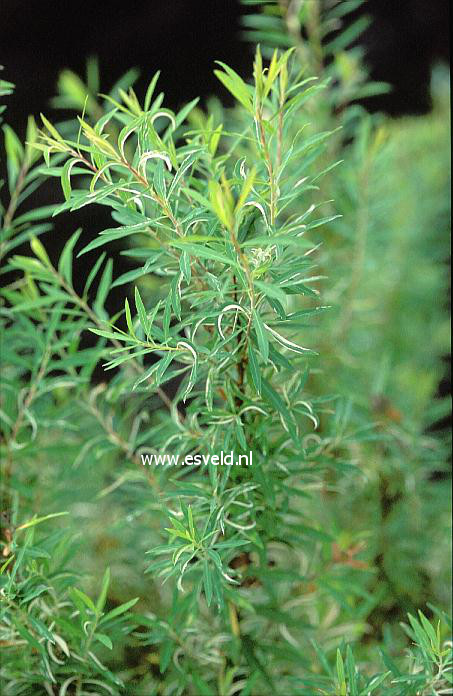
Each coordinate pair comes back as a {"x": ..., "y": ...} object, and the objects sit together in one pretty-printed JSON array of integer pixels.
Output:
[
  {"x": 285, "y": 274},
  {"x": 41, "y": 604}
]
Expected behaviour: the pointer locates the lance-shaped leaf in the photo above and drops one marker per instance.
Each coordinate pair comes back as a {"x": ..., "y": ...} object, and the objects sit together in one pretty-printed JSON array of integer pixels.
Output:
[{"x": 236, "y": 85}]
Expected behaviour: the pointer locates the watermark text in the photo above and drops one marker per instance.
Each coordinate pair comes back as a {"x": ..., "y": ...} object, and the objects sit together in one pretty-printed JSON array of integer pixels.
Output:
[{"x": 222, "y": 459}]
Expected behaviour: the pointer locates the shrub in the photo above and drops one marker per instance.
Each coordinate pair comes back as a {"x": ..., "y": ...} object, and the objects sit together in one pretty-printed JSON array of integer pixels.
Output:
[{"x": 287, "y": 573}]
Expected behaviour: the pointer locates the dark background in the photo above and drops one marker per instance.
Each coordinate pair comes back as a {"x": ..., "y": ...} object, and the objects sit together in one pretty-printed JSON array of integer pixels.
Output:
[{"x": 183, "y": 38}]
